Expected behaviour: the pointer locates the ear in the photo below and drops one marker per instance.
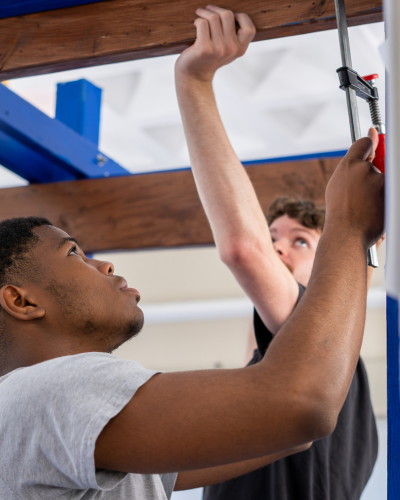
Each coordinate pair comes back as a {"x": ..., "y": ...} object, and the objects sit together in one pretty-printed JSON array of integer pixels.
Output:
[{"x": 20, "y": 303}]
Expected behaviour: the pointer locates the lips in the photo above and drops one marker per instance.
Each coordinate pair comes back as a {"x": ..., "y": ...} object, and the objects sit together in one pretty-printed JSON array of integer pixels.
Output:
[{"x": 124, "y": 288}]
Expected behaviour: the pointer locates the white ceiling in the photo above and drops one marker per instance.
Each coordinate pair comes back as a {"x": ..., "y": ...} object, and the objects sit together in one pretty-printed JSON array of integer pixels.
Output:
[{"x": 282, "y": 98}]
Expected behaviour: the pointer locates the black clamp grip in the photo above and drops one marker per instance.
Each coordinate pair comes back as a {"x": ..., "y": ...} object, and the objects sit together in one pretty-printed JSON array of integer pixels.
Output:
[{"x": 350, "y": 78}]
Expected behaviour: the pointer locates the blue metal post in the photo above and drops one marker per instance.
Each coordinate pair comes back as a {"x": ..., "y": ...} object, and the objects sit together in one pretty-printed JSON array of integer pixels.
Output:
[
  {"x": 78, "y": 107},
  {"x": 393, "y": 396}
]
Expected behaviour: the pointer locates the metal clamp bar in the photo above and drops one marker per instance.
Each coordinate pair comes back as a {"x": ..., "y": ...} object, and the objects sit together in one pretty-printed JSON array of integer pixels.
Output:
[{"x": 351, "y": 96}]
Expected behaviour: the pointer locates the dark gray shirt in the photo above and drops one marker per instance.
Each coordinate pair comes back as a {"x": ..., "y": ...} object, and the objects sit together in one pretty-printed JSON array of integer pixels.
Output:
[{"x": 334, "y": 468}]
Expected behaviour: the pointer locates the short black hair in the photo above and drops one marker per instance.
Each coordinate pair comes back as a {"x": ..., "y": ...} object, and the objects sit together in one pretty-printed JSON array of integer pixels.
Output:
[{"x": 16, "y": 240}]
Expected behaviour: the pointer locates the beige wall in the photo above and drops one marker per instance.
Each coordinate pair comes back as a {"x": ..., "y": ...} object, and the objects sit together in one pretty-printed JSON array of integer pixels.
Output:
[{"x": 183, "y": 275}]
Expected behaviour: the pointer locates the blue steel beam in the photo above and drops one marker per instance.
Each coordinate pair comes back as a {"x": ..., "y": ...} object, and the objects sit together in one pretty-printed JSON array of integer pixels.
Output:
[
  {"x": 49, "y": 150},
  {"x": 11, "y": 8},
  {"x": 78, "y": 106}
]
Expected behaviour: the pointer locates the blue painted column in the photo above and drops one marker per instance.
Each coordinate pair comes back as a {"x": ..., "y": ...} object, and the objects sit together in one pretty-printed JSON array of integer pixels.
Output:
[
  {"x": 393, "y": 396},
  {"x": 78, "y": 106}
]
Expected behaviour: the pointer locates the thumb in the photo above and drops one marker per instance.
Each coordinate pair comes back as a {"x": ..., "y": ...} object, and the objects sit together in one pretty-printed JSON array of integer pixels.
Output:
[
  {"x": 363, "y": 149},
  {"x": 373, "y": 134}
]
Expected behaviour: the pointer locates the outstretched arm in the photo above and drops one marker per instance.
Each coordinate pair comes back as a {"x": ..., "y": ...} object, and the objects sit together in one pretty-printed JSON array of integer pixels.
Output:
[
  {"x": 238, "y": 224},
  {"x": 196, "y": 420}
]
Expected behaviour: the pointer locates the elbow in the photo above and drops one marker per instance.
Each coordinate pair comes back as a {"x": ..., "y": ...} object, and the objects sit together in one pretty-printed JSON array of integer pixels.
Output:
[
  {"x": 303, "y": 447},
  {"x": 318, "y": 402},
  {"x": 324, "y": 422},
  {"x": 238, "y": 254},
  {"x": 318, "y": 419}
]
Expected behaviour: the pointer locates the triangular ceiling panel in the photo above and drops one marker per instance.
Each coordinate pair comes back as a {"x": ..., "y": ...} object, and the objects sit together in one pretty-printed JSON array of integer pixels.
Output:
[{"x": 118, "y": 91}]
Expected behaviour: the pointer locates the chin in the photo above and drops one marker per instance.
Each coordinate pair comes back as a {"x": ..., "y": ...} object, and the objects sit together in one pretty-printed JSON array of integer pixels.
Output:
[{"x": 129, "y": 330}]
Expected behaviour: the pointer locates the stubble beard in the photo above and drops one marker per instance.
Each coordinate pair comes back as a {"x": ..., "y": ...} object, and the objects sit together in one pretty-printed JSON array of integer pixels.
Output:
[
  {"x": 81, "y": 319},
  {"x": 129, "y": 331}
]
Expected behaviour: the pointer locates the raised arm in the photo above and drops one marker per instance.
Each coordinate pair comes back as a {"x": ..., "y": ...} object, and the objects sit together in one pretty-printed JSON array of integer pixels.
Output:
[
  {"x": 238, "y": 224},
  {"x": 196, "y": 420}
]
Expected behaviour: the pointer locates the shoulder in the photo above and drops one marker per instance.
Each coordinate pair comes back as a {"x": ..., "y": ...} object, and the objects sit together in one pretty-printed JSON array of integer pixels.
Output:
[
  {"x": 54, "y": 411},
  {"x": 70, "y": 376}
]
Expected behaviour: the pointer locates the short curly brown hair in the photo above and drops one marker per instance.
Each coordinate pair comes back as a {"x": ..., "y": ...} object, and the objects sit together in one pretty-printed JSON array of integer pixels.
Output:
[{"x": 303, "y": 211}]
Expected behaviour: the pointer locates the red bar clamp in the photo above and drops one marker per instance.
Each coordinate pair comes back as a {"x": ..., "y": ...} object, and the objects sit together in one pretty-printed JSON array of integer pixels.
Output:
[{"x": 379, "y": 160}]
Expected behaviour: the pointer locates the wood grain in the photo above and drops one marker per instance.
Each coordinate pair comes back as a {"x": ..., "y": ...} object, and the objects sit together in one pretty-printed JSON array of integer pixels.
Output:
[
  {"x": 152, "y": 210},
  {"x": 122, "y": 30}
]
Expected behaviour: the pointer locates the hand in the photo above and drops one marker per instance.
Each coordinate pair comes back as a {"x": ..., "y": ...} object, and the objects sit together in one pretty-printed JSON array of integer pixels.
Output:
[
  {"x": 217, "y": 42},
  {"x": 355, "y": 193}
]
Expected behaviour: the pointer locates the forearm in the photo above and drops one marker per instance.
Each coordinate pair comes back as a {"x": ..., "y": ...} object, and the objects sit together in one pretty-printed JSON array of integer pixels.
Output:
[
  {"x": 225, "y": 190},
  {"x": 214, "y": 475},
  {"x": 315, "y": 349},
  {"x": 197, "y": 420},
  {"x": 239, "y": 227}
]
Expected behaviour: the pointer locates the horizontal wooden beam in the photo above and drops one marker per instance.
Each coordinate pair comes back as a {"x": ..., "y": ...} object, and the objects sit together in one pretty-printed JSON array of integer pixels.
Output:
[
  {"x": 152, "y": 210},
  {"x": 121, "y": 30}
]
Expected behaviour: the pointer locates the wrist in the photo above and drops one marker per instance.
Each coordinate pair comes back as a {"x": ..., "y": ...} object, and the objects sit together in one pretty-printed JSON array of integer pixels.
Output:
[
  {"x": 188, "y": 76},
  {"x": 337, "y": 242},
  {"x": 345, "y": 234},
  {"x": 191, "y": 89}
]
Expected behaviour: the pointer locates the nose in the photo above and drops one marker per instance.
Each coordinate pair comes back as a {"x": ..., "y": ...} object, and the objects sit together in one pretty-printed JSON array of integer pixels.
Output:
[
  {"x": 106, "y": 268},
  {"x": 280, "y": 247}
]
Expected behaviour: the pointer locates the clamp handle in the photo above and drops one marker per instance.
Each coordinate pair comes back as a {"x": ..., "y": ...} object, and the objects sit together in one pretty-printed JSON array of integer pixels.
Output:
[
  {"x": 368, "y": 78},
  {"x": 379, "y": 160}
]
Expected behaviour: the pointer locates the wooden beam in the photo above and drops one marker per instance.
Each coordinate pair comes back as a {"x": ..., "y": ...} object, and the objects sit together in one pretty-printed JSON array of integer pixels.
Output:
[
  {"x": 121, "y": 30},
  {"x": 152, "y": 210}
]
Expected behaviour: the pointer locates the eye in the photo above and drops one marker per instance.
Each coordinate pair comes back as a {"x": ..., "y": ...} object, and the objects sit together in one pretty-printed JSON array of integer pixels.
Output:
[
  {"x": 301, "y": 242},
  {"x": 73, "y": 250}
]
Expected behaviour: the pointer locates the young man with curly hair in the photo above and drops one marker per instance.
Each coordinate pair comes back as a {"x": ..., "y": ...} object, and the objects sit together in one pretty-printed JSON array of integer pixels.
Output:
[{"x": 340, "y": 465}]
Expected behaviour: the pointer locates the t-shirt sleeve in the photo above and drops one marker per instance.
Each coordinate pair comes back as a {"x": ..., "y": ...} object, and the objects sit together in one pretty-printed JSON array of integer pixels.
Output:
[
  {"x": 263, "y": 335},
  {"x": 56, "y": 411}
]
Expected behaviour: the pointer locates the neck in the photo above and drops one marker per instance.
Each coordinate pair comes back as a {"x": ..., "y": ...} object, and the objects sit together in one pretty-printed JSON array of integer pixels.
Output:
[
  {"x": 32, "y": 348},
  {"x": 22, "y": 358}
]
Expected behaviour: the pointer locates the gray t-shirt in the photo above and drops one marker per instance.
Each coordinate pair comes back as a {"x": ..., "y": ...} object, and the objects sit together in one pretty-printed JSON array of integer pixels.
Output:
[{"x": 50, "y": 417}]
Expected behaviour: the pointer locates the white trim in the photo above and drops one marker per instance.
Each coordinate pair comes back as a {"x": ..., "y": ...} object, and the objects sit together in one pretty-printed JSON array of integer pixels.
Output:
[
  {"x": 222, "y": 309},
  {"x": 197, "y": 310}
]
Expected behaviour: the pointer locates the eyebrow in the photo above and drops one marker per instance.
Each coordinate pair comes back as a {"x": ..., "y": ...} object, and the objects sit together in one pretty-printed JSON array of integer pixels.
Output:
[
  {"x": 66, "y": 240},
  {"x": 305, "y": 230}
]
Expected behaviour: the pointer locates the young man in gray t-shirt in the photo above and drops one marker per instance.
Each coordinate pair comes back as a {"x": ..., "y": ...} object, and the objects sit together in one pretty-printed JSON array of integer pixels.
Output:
[{"x": 78, "y": 423}]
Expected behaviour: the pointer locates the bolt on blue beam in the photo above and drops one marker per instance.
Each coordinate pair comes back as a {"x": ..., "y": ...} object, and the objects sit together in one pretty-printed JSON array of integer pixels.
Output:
[
  {"x": 78, "y": 106},
  {"x": 11, "y": 8},
  {"x": 42, "y": 149}
]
